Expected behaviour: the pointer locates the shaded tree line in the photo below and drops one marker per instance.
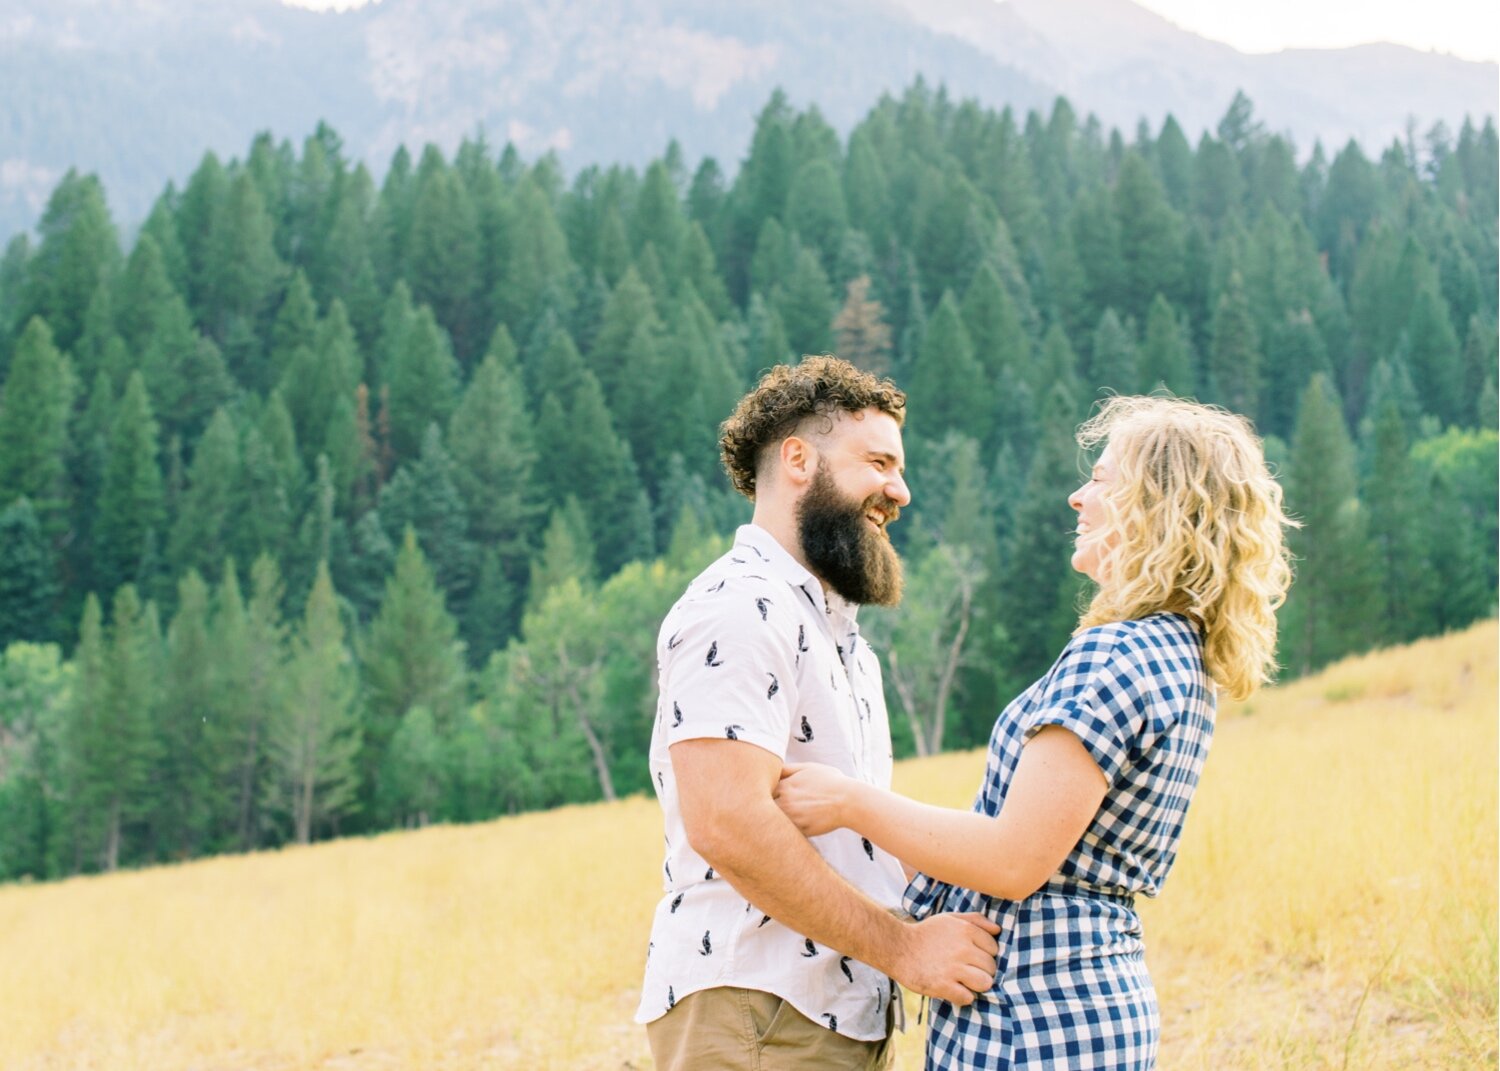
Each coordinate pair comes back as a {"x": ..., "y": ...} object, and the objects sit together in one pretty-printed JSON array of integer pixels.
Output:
[{"x": 332, "y": 506}]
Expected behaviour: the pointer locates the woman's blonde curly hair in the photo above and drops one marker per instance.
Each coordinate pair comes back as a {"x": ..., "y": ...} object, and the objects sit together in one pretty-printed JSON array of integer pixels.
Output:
[{"x": 1195, "y": 527}]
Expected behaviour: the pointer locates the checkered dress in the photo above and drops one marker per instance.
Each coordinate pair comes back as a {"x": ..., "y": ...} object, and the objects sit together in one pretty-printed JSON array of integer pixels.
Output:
[{"x": 1072, "y": 991}]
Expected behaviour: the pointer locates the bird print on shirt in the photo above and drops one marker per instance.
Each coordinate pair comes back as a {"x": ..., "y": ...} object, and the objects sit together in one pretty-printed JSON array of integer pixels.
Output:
[
  {"x": 869, "y": 848},
  {"x": 676, "y": 714},
  {"x": 775, "y": 687},
  {"x": 708, "y": 946},
  {"x": 807, "y": 733},
  {"x": 671, "y": 999},
  {"x": 676, "y": 903},
  {"x": 764, "y": 606},
  {"x": 731, "y": 732},
  {"x": 713, "y": 660},
  {"x": 674, "y": 641},
  {"x": 809, "y": 949},
  {"x": 709, "y": 874},
  {"x": 844, "y": 966},
  {"x": 716, "y": 588},
  {"x": 833, "y": 1020}
]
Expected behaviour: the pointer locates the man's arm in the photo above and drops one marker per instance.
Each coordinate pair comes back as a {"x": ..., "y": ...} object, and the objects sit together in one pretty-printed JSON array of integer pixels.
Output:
[
  {"x": 1052, "y": 799},
  {"x": 724, "y": 790}
]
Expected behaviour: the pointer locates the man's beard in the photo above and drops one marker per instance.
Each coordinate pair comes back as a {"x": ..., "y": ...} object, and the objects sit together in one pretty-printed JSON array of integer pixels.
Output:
[{"x": 838, "y": 542}]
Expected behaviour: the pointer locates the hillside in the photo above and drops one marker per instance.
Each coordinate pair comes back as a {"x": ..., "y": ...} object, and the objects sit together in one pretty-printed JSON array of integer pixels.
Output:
[
  {"x": 1334, "y": 904},
  {"x": 136, "y": 89}
]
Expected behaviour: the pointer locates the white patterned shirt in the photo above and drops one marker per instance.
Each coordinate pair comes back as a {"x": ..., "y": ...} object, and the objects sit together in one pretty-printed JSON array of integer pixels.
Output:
[{"x": 754, "y": 651}]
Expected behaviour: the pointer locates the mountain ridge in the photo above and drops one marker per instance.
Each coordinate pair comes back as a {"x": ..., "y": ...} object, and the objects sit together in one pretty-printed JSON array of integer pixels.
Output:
[{"x": 138, "y": 90}]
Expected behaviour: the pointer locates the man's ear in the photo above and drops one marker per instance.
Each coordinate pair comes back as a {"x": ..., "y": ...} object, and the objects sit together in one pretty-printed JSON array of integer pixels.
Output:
[{"x": 799, "y": 460}]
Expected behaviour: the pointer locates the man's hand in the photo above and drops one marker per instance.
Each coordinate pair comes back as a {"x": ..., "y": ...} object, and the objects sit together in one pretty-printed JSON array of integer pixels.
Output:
[{"x": 949, "y": 956}]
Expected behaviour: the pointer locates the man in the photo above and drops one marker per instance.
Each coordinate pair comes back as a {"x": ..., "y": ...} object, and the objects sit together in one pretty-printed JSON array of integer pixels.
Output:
[{"x": 770, "y": 951}]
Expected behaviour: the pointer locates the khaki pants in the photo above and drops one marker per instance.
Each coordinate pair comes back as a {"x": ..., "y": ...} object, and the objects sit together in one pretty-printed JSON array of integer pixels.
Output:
[{"x": 747, "y": 1030}]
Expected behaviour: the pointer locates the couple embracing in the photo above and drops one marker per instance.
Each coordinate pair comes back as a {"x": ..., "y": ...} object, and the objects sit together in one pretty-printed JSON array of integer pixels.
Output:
[{"x": 801, "y": 894}]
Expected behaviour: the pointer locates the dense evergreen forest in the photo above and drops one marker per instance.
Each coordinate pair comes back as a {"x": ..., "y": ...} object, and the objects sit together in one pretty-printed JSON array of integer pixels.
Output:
[{"x": 330, "y": 507}]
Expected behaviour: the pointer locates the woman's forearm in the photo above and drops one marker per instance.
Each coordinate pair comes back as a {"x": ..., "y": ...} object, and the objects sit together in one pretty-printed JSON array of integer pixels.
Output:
[
  {"x": 1052, "y": 799},
  {"x": 960, "y": 847}
]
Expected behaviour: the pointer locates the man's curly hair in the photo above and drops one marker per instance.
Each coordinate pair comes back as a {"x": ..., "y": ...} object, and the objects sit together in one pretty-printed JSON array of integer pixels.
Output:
[{"x": 789, "y": 394}]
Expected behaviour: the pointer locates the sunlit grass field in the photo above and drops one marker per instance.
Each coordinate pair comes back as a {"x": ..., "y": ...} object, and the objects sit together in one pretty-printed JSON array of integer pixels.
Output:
[{"x": 1334, "y": 906}]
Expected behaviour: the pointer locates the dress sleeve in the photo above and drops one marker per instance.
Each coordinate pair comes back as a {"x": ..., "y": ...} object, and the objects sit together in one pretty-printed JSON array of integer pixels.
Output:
[
  {"x": 1095, "y": 691},
  {"x": 728, "y": 668}
]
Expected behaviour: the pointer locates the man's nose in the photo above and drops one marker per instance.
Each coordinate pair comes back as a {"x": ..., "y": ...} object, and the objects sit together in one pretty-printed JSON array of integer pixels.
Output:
[{"x": 897, "y": 491}]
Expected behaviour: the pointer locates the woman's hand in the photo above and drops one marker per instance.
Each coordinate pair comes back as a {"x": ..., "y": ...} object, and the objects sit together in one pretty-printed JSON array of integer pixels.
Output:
[{"x": 813, "y": 796}]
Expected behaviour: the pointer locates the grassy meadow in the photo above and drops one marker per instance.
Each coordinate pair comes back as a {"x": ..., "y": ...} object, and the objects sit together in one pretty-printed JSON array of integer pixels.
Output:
[{"x": 1334, "y": 906}]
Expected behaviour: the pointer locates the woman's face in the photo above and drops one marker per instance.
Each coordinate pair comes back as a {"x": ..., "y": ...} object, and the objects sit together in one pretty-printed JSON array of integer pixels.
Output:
[{"x": 1093, "y": 535}]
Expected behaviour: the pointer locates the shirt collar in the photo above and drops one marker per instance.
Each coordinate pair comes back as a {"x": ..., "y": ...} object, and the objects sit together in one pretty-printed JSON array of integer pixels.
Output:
[{"x": 780, "y": 562}]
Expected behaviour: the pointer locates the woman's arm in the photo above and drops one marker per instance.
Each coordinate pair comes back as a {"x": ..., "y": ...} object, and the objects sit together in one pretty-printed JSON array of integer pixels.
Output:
[{"x": 1052, "y": 799}]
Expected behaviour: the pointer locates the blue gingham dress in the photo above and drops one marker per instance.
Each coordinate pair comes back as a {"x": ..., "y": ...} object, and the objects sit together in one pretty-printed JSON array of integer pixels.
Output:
[{"x": 1071, "y": 989}]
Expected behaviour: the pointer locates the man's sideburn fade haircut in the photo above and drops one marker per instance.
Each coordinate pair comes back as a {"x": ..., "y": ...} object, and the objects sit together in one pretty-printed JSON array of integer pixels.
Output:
[{"x": 789, "y": 394}]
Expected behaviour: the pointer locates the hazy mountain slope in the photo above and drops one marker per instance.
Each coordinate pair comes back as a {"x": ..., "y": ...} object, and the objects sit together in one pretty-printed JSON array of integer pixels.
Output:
[
  {"x": 138, "y": 89},
  {"x": 1121, "y": 61}
]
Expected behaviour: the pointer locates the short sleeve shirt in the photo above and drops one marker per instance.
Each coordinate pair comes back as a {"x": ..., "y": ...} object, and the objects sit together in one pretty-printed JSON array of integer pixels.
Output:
[{"x": 754, "y": 651}]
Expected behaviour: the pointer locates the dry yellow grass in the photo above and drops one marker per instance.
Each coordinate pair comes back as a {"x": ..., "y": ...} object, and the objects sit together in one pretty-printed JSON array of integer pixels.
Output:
[{"x": 1334, "y": 907}]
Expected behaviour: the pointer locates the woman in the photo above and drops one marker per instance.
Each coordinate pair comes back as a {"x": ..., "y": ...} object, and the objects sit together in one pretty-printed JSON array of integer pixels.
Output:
[{"x": 1091, "y": 769}]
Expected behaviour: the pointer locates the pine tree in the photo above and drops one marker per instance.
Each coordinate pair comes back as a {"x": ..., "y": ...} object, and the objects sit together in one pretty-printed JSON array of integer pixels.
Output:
[
  {"x": 200, "y": 532},
  {"x": 807, "y": 306},
  {"x": 1113, "y": 364},
  {"x": 1334, "y": 602},
  {"x": 537, "y": 259},
  {"x": 130, "y": 512},
  {"x": 411, "y": 657},
  {"x": 658, "y": 219},
  {"x": 1393, "y": 496},
  {"x": 1436, "y": 362},
  {"x": 422, "y": 496},
  {"x": 78, "y": 250},
  {"x": 815, "y": 209},
  {"x": 241, "y": 272},
  {"x": 994, "y": 324},
  {"x": 183, "y": 775},
  {"x": 124, "y": 754},
  {"x": 313, "y": 740},
  {"x": 442, "y": 259},
  {"x": 424, "y": 385},
  {"x": 1166, "y": 356},
  {"x": 28, "y": 578},
  {"x": 294, "y": 331},
  {"x": 34, "y": 411},
  {"x": 1037, "y": 589},
  {"x": 1234, "y": 357},
  {"x": 863, "y": 336},
  {"x": 1150, "y": 237},
  {"x": 492, "y": 443},
  {"x": 948, "y": 391}
]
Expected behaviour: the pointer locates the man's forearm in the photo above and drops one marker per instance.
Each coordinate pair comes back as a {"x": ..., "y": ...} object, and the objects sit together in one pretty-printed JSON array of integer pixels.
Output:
[{"x": 779, "y": 871}]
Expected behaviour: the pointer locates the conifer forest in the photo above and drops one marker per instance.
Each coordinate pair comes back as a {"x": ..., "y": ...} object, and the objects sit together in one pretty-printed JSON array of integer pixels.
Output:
[{"x": 333, "y": 503}]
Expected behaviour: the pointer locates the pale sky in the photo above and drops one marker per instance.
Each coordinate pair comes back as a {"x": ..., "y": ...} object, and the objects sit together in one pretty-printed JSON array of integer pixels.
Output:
[{"x": 1466, "y": 28}]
